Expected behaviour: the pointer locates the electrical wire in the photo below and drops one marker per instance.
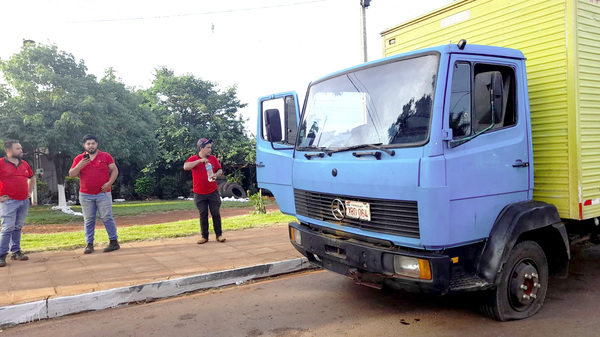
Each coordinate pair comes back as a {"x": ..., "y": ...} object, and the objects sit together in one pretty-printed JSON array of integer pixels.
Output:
[{"x": 198, "y": 14}]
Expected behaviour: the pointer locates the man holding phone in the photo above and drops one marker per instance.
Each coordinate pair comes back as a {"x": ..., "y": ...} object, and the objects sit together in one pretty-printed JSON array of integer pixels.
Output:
[{"x": 97, "y": 172}]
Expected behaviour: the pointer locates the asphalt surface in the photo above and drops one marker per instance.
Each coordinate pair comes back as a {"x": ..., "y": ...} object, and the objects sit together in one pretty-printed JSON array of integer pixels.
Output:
[{"x": 322, "y": 303}]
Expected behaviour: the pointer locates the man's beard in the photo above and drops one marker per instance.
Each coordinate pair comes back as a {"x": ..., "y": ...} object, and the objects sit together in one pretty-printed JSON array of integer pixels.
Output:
[
  {"x": 16, "y": 156},
  {"x": 92, "y": 151}
]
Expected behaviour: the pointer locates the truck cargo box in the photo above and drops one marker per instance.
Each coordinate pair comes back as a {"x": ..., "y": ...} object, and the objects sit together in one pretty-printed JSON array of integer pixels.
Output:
[{"x": 561, "y": 41}]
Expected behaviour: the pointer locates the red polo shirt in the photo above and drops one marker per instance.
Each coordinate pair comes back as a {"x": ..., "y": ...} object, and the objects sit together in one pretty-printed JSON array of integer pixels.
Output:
[
  {"x": 95, "y": 174},
  {"x": 13, "y": 179},
  {"x": 200, "y": 178}
]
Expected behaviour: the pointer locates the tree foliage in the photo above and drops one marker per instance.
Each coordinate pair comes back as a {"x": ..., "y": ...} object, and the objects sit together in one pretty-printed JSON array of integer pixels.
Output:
[
  {"x": 50, "y": 102},
  {"x": 189, "y": 108}
]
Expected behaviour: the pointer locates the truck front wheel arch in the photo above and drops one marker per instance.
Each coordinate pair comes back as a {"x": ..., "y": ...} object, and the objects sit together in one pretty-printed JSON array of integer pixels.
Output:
[{"x": 525, "y": 221}]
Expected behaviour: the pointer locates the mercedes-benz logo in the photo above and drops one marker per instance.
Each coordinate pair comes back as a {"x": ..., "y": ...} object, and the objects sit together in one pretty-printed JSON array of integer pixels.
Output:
[{"x": 338, "y": 209}]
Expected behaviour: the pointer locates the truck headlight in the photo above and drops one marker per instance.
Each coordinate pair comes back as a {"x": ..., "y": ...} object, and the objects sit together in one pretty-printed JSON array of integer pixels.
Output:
[
  {"x": 296, "y": 236},
  {"x": 412, "y": 267}
]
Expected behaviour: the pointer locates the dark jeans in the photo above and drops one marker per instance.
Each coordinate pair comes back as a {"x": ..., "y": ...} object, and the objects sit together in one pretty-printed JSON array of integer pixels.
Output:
[{"x": 203, "y": 203}]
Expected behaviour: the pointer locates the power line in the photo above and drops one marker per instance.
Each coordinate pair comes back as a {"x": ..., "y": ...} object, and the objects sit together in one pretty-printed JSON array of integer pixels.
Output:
[{"x": 197, "y": 14}]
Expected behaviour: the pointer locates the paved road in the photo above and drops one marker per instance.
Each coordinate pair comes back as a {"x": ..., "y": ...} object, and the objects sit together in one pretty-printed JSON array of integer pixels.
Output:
[{"x": 326, "y": 304}]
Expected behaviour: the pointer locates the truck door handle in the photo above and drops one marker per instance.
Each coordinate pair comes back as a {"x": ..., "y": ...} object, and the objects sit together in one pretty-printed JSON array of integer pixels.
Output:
[
  {"x": 520, "y": 163},
  {"x": 260, "y": 164}
]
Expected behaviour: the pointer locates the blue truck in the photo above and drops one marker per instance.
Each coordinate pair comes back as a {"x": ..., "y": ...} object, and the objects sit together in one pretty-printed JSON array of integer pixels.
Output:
[{"x": 416, "y": 172}]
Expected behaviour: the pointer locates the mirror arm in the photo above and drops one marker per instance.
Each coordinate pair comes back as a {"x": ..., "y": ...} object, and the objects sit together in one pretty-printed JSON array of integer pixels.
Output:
[
  {"x": 457, "y": 142},
  {"x": 281, "y": 148}
]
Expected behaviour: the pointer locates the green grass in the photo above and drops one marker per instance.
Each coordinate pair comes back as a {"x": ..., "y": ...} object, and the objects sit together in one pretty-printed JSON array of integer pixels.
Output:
[
  {"x": 72, "y": 240},
  {"x": 45, "y": 215}
]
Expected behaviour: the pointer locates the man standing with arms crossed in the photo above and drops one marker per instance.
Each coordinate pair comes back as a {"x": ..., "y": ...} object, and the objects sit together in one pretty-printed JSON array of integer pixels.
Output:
[
  {"x": 17, "y": 182},
  {"x": 97, "y": 172}
]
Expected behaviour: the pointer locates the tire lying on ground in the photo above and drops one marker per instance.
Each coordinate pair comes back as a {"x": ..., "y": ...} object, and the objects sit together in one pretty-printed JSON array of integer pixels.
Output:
[
  {"x": 221, "y": 188},
  {"x": 234, "y": 190}
]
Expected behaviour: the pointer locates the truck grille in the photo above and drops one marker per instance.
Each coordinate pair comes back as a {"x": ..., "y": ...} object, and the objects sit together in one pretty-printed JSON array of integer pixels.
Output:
[{"x": 387, "y": 216}]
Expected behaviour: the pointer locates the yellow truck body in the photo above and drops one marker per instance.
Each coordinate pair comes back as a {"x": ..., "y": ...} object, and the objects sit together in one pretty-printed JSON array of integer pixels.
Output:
[{"x": 561, "y": 41}]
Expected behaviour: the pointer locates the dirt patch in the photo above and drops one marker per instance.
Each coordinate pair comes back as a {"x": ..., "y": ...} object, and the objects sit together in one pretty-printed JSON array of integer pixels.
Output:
[{"x": 145, "y": 219}]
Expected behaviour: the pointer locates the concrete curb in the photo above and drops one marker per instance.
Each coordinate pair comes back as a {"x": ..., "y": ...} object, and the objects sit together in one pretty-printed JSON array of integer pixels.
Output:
[{"x": 99, "y": 300}]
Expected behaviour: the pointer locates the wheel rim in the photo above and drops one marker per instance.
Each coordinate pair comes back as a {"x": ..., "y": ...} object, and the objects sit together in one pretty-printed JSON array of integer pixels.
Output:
[{"x": 523, "y": 285}]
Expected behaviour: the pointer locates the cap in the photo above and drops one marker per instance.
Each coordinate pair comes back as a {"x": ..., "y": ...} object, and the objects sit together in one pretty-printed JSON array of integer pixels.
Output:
[{"x": 202, "y": 142}]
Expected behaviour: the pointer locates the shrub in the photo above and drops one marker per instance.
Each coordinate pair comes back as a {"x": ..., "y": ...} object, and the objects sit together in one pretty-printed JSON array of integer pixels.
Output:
[
  {"x": 258, "y": 202},
  {"x": 144, "y": 187},
  {"x": 169, "y": 188},
  {"x": 71, "y": 188},
  {"x": 43, "y": 192}
]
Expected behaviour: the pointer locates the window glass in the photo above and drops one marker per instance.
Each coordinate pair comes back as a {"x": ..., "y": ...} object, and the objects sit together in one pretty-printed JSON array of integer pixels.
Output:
[
  {"x": 286, "y": 106},
  {"x": 277, "y": 103},
  {"x": 482, "y": 99},
  {"x": 494, "y": 95},
  {"x": 460, "y": 101},
  {"x": 388, "y": 104}
]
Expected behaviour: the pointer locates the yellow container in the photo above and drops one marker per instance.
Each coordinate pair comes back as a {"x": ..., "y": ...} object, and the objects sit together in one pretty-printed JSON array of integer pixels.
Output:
[{"x": 561, "y": 41}]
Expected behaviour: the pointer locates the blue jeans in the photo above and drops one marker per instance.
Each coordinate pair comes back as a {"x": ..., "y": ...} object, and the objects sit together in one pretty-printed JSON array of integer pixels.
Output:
[
  {"x": 97, "y": 203},
  {"x": 14, "y": 213}
]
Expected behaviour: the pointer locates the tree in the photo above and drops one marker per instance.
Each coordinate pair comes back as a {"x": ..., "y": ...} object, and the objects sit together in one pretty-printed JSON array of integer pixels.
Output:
[
  {"x": 51, "y": 102},
  {"x": 189, "y": 108},
  {"x": 47, "y": 102}
]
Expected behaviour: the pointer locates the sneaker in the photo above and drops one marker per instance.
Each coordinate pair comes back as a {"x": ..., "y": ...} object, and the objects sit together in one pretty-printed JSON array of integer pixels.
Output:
[
  {"x": 89, "y": 248},
  {"x": 221, "y": 238},
  {"x": 203, "y": 240},
  {"x": 113, "y": 245},
  {"x": 3, "y": 260},
  {"x": 19, "y": 256}
]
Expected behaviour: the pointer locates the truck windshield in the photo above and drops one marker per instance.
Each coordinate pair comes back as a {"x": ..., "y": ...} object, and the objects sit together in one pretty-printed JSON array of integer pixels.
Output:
[{"x": 386, "y": 105}]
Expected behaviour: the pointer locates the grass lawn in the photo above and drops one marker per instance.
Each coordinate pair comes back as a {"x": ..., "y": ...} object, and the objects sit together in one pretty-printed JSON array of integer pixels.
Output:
[
  {"x": 72, "y": 240},
  {"x": 42, "y": 215}
]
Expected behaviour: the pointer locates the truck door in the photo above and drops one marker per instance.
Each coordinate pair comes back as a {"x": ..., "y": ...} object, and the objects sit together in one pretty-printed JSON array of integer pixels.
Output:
[
  {"x": 278, "y": 117},
  {"x": 487, "y": 157}
]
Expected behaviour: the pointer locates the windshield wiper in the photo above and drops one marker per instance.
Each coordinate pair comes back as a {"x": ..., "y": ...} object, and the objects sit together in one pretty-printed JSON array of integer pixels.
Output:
[
  {"x": 376, "y": 146},
  {"x": 315, "y": 154}
]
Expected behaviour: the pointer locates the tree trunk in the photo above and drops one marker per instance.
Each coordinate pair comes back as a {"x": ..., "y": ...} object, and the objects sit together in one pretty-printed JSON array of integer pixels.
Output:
[{"x": 60, "y": 165}]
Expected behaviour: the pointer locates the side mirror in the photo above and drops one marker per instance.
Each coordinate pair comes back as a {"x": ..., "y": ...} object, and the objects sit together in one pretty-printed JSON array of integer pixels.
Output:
[
  {"x": 497, "y": 94},
  {"x": 489, "y": 100},
  {"x": 273, "y": 125}
]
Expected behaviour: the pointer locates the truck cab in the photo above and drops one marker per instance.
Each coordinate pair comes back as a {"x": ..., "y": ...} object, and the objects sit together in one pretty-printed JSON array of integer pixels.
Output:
[{"x": 416, "y": 172}]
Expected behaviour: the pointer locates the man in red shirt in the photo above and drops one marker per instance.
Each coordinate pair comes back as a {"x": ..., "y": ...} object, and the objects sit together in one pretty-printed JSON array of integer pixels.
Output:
[
  {"x": 17, "y": 182},
  {"x": 205, "y": 170},
  {"x": 97, "y": 172}
]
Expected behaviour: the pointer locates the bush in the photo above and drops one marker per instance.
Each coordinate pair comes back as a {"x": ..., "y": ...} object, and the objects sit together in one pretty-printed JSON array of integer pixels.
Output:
[
  {"x": 169, "y": 188},
  {"x": 144, "y": 187},
  {"x": 258, "y": 202},
  {"x": 71, "y": 188},
  {"x": 43, "y": 192},
  {"x": 236, "y": 177}
]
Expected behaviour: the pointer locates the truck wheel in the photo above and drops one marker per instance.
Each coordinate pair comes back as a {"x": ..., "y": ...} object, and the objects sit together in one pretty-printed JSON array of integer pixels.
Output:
[{"x": 522, "y": 288}]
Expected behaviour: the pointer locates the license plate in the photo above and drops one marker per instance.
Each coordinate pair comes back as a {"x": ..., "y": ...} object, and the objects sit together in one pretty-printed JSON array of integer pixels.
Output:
[{"x": 358, "y": 210}]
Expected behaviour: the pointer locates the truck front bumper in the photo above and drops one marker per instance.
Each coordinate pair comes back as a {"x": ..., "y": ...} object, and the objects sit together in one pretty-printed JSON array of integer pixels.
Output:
[{"x": 369, "y": 263}]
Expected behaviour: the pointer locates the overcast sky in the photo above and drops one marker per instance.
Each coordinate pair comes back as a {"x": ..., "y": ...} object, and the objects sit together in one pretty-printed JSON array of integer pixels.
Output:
[{"x": 263, "y": 46}]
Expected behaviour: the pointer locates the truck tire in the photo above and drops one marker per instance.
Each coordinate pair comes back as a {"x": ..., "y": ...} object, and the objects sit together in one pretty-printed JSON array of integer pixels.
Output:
[
  {"x": 522, "y": 287},
  {"x": 236, "y": 191}
]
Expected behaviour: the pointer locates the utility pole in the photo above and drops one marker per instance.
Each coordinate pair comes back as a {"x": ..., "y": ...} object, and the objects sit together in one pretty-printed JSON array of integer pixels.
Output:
[{"x": 363, "y": 27}]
